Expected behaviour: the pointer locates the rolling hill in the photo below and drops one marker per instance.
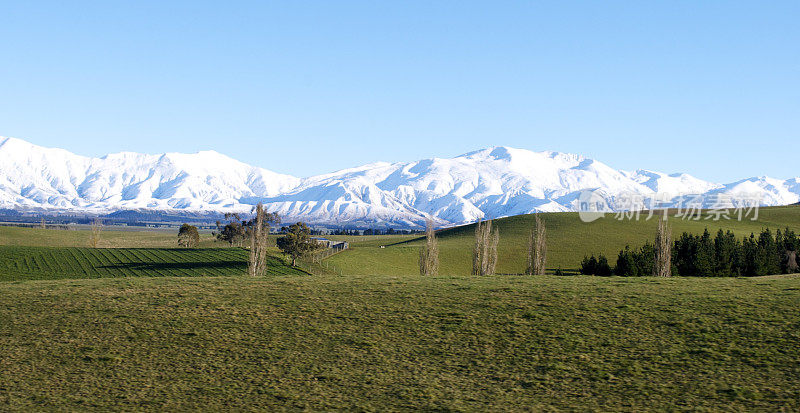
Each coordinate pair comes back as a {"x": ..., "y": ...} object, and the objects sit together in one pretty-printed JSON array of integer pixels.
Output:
[{"x": 569, "y": 239}]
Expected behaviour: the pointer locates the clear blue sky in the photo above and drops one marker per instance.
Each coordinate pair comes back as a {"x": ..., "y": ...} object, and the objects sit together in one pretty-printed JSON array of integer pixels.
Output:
[{"x": 711, "y": 88}]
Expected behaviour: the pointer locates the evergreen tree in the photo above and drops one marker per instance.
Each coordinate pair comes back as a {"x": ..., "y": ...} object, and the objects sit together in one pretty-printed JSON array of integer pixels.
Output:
[
  {"x": 645, "y": 259},
  {"x": 596, "y": 266},
  {"x": 768, "y": 257},
  {"x": 684, "y": 255},
  {"x": 789, "y": 248},
  {"x": 749, "y": 255},
  {"x": 722, "y": 256},
  {"x": 725, "y": 253},
  {"x": 705, "y": 262},
  {"x": 589, "y": 266},
  {"x": 603, "y": 269},
  {"x": 625, "y": 263}
]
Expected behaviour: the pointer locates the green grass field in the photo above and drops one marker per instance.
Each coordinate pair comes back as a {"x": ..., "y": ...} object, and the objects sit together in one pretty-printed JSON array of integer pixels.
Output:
[
  {"x": 568, "y": 240},
  {"x": 142, "y": 325},
  {"x": 37, "y": 263},
  {"x": 379, "y": 343},
  {"x": 110, "y": 237}
]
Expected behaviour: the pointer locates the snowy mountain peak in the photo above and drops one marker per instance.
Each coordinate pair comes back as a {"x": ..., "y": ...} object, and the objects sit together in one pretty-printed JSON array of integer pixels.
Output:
[
  {"x": 16, "y": 146},
  {"x": 488, "y": 183},
  {"x": 507, "y": 153}
]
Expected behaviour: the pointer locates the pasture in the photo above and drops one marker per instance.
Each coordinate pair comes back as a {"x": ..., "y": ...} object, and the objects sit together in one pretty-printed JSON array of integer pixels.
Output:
[
  {"x": 568, "y": 241},
  {"x": 142, "y": 325},
  {"x": 110, "y": 237},
  {"x": 376, "y": 343},
  {"x": 37, "y": 263}
]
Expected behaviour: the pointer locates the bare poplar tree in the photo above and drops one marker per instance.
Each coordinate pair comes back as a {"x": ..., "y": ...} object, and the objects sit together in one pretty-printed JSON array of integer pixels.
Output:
[
  {"x": 476, "y": 250},
  {"x": 663, "y": 264},
  {"x": 43, "y": 225},
  {"x": 484, "y": 254},
  {"x": 485, "y": 247},
  {"x": 94, "y": 237},
  {"x": 429, "y": 254},
  {"x": 537, "y": 248},
  {"x": 529, "y": 256},
  {"x": 540, "y": 250},
  {"x": 259, "y": 235},
  {"x": 491, "y": 259}
]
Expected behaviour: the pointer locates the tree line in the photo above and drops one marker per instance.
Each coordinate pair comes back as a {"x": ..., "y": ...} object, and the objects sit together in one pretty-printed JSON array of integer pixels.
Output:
[
  {"x": 373, "y": 231},
  {"x": 723, "y": 255}
]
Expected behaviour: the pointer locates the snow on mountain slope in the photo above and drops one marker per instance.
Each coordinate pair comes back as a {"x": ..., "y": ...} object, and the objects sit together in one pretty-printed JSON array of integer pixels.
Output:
[
  {"x": 488, "y": 183},
  {"x": 672, "y": 183},
  {"x": 36, "y": 177},
  {"x": 768, "y": 191}
]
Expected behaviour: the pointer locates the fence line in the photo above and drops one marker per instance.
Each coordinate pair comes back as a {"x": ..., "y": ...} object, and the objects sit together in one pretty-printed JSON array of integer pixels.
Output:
[
  {"x": 327, "y": 253},
  {"x": 317, "y": 262}
]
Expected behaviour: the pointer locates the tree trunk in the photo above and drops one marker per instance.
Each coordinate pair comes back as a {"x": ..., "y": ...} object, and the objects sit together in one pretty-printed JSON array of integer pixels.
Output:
[{"x": 663, "y": 245}]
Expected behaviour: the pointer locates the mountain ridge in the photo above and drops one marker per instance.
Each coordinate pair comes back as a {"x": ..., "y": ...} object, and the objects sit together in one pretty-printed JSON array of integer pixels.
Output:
[{"x": 482, "y": 184}]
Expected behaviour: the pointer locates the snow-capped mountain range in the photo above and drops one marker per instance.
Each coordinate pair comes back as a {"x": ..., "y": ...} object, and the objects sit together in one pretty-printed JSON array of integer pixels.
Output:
[{"x": 488, "y": 183}]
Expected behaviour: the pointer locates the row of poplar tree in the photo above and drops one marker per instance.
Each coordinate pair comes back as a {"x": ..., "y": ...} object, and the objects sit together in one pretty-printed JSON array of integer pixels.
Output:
[
  {"x": 484, "y": 251},
  {"x": 723, "y": 255}
]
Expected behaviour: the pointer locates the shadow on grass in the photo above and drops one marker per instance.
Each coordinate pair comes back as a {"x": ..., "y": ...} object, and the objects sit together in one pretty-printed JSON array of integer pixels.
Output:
[
  {"x": 408, "y": 241},
  {"x": 189, "y": 265},
  {"x": 440, "y": 234}
]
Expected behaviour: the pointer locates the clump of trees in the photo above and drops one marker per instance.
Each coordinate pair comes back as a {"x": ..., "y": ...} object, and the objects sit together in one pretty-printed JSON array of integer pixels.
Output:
[
  {"x": 297, "y": 242},
  {"x": 726, "y": 256},
  {"x": 537, "y": 248},
  {"x": 233, "y": 232},
  {"x": 429, "y": 254},
  {"x": 723, "y": 255},
  {"x": 188, "y": 236},
  {"x": 237, "y": 230},
  {"x": 253, "y": 232},
  {"x": 650, "y": 259},
  {"x": 484, "y": 253},
  {"x": 596, "y": 266},
  {"x": 636, "y": 262}
]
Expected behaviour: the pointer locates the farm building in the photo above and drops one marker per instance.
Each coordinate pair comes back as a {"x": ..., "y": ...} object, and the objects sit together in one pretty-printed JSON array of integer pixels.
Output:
[{"x": 341, "y": 245}]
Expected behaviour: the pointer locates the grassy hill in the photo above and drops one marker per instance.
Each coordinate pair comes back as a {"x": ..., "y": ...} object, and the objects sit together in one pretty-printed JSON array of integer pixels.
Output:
[
  {"x": 400, "y": 343},
  {"x": 569, "y": 239}
]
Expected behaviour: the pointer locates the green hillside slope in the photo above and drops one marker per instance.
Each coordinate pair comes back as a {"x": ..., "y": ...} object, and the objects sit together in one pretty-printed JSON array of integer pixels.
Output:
[{"x": 569, "y": 239}]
